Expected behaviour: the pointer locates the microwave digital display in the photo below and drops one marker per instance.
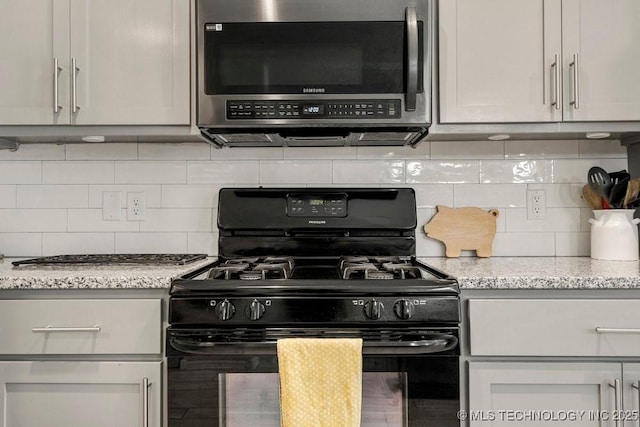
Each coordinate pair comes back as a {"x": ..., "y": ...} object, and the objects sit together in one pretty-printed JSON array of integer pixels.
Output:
[{"x": 309, "y": 110}]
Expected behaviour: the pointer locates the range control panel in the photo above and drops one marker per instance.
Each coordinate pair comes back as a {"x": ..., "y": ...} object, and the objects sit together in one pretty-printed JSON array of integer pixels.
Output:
[
  {"x": 308, "y": 205},
  {"x": 325, "y": 109}
]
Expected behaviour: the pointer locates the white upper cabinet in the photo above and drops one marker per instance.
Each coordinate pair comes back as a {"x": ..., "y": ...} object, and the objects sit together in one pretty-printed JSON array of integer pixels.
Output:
[
  {"x": 503, "y": 61},
  {"x": 131, "y": 62},
  {"x": 604, "y": 37}
]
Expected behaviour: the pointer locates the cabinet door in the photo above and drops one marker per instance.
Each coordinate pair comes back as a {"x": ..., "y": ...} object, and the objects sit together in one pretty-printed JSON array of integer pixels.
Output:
[
  {"x": 496, "y": 60},
  {"x": 132, "y": 61},
  {"x": 631, "y": 393},
  {"x": 604, "y": 37},
  {"x": 80, "y": 394},
  {"x": 33, "y": 33},
  {"x": 507, "y": 392}
]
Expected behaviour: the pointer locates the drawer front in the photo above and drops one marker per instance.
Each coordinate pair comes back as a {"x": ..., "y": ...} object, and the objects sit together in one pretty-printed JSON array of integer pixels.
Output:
[
  {"x": 536, "y": 327},
  {"x": 80, "y": 326}
]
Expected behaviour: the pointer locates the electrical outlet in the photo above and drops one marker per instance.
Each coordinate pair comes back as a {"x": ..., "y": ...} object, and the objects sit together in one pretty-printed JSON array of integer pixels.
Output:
[
  {"x": 536, "y": 204},
  {"x": 135, "y": 206}
]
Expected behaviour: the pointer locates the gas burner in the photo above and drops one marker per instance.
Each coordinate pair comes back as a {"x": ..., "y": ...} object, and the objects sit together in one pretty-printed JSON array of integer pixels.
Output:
[
  {"x": 251, "y": 275},
  {"x": 281, "y": 271},
  {"x": 377, "y": 275},
  {"x": 226, "y": 271},
  {"x": 353, "y": 269},
  {"x": 405, "y": 270},
  {"x": 386, "y": 259}
]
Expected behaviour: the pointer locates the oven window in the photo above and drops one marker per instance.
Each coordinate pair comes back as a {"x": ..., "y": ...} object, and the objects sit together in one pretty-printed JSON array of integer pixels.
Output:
[
  {"x": 252, "y": 400},
  {"x": 243, "y": 391},
  {"x": 295, "y": 58}
]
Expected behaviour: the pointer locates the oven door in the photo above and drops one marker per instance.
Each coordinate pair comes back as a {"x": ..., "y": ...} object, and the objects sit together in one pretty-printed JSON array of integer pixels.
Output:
[
  {"x": 327, "y": 50},
  {"x": 408, "y": 383}
]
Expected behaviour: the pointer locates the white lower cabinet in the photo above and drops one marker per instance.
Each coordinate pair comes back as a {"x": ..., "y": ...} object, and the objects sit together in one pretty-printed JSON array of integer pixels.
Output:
[
  {"x": 81, "y": 362},
  {"x": 549, "y": 393},
  {"x": 595, "y": 383},
  {"x": 80, "y": 394}
]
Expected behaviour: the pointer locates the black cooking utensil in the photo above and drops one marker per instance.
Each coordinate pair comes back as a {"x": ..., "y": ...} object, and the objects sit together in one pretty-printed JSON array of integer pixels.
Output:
[
  {"x": 600, "y": 182},
  {"x": 617, "y": 177},
  {"x": 618, "y": 191}
]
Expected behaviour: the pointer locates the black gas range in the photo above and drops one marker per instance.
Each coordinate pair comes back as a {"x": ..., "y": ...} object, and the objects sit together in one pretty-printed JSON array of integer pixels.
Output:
[
  {"x": 315, "y": 257},
  {"x": 314, "y": 263}
]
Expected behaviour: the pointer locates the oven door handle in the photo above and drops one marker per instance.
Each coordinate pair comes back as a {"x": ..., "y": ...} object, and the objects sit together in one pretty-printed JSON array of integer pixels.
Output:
[{"x": 438, "y": 344}]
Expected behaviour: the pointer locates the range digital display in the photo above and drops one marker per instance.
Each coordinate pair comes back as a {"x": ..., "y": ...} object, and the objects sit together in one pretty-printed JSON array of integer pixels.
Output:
[{"x": 316, "y": 202}]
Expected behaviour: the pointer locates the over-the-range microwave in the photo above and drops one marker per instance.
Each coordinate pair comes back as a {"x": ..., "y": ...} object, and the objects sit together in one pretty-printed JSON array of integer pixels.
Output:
[{"x": 313, "y": 72}]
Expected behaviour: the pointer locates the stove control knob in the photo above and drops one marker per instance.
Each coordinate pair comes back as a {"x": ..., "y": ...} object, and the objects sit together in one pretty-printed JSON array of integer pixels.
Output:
[
  {"x": 255, "y": 310},
  {"x": 225, "y": 310},
  {"x": 403, "y": 309},
  {"x": 374, "y": 309}
]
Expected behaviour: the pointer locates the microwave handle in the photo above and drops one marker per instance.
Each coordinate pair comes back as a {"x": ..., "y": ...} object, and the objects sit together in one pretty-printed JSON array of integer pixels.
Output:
[{"x": 412, "y": 59}]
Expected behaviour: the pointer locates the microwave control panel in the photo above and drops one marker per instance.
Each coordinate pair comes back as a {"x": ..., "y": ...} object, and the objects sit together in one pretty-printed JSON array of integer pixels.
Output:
[{"x": 325, "y": 109}]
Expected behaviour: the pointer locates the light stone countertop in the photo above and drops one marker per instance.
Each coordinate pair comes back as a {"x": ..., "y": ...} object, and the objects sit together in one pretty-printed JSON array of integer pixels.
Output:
[
  {"x": 92, "y": 276},
  {"x": 471, "y": 272},
  {"x": 539, "y": 272}
]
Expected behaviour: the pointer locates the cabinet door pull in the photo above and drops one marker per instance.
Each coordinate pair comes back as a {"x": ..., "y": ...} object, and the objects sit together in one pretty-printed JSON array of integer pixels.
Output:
[
  {"x": 74, "y": 89},
  {"x": 50, "y": 328},
  {"x": 601, "y": 330},
  {"x": 576, "y": 82},
  {"x": 618, "y": 399},
  {"x": 145, "y": 402},
  {"x": 636, "y": 385},
  {"x": 555, "y": 67},
  {"x": 56, "y": 70}
]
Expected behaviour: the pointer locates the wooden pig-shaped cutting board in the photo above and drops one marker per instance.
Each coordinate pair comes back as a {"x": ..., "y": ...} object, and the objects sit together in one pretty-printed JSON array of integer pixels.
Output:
[{"x": 463, "y": 229}]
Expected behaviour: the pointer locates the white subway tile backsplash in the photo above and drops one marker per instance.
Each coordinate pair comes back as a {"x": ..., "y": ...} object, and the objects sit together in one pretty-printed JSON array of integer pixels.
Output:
[
  {"x": 248, "y": 153},
  {"x": 556, "y": 219},
  {"x": 170, "y": 219},
  {"x": 149, "y": 243},
  {"x": 152, "y": 194},
  {"x": 202, "y": 243},
  {"x": 430, "y": 195},
  {"x": 77, "y": 243},
  {"x": 602, "y": 149},
  {"x": 190, "y": 196},
  {"x": 524, "y": 244},
  {"x": 35, "y": 152},
  {"x": 421, "y": 151},
  {"x": 87, "y": 220},
  {"x": 519, "y": 171},
  {"x": 573, "y": 244},
  {"x": 20, "y": 172},
  {"x": 53, "y": 196},
  {"x": 575, "y": 171},
  {"x": 490, "y": 195},
  {"x": 442, "y": 172},
  {"x": 215, "y": 172},
  {"x": 149, "y": 172},
  {"x": 313, "y": 153},
  {"x": 298, "y": 171},
  {"x": 32, "y": 220},
  {"x": 77, "y": 172},
  {"x": 465, "y": 150},
  {"x": 368, "y": 171},
  {"x": 102, "y": 151},
  {"x": 541, "y": 149},
  {"x": 174, "y": 151},
  {"x": 21, "y": 244},
  {"x": 8, "y": 196}
]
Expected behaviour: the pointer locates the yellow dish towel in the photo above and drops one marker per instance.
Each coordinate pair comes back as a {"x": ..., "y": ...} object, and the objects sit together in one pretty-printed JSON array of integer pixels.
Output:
[{"x": 320, "y": 382}]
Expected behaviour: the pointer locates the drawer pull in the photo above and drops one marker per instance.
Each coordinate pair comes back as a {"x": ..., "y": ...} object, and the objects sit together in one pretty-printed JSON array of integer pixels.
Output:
[
  {"x": 50, "y": 328},
  {"x": 600, "y": 330}
]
